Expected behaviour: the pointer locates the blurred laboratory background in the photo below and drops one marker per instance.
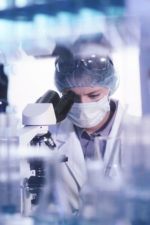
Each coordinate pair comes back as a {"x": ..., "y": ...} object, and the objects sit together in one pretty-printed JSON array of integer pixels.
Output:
[{"x": 29, "y": 30}]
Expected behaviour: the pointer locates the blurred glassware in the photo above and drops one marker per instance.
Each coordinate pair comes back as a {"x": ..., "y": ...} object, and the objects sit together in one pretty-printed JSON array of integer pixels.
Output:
[
  {"x": 136, "y": 170},
  {"x": 108, "y": 152},
  {"x": 21, "y": 171},
  {"x": 10, "y": 173},
  {"x": 102, "y": 198},
  {"x": 9, "y": 166},
  {"x": 15, "y": 219},
  {"x": 53, "y": 207},
  {"x": 103, "y": 195}
]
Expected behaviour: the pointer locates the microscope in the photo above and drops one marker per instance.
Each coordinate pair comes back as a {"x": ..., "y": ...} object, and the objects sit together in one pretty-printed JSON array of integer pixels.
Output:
[{"x": 36, "y": 118}]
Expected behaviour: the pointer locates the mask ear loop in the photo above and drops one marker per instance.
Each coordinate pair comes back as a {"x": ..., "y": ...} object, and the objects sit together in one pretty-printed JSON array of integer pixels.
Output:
[{"x": 109, "y": 93}]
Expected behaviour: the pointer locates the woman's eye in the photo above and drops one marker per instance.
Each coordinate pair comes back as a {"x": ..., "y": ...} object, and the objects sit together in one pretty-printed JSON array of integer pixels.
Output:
[{"x": 94, "y": 96}]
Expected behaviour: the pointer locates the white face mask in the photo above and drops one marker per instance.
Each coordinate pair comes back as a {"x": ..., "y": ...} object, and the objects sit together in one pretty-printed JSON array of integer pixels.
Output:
[{"x": 87, "y": 115}]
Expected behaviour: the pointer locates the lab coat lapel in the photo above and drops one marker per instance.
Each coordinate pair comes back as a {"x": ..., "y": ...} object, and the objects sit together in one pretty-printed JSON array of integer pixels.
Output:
[
  {"x": 68, "y": 144},
  {"x": 111, "y": 157}
]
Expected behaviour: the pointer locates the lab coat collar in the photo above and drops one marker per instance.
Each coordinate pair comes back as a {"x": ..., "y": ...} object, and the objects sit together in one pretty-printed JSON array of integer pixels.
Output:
[
  {"x": 110, "y": 159},
  {"x": 64, "y": 131},
  {"x": 69, "y": 145}
]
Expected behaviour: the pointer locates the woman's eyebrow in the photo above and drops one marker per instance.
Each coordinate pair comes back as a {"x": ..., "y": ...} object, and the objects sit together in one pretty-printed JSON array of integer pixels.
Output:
[{"x": 94, "y": 92}]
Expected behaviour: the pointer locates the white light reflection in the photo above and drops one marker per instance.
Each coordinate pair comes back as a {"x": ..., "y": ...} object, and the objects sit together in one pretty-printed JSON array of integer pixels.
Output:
[
  {"x": 3, "y": 4},
  {"x": 29, "y": 79},
  {"x": 126, "y": 61},
  {"x": 21, "y": 3}
]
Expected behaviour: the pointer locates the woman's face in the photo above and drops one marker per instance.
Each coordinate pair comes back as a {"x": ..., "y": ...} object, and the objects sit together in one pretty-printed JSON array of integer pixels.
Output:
[{"x": 88, "y": 94}]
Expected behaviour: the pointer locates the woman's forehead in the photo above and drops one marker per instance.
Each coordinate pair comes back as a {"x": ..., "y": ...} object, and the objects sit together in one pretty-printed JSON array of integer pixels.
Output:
[{"x": 86, "y": 90}]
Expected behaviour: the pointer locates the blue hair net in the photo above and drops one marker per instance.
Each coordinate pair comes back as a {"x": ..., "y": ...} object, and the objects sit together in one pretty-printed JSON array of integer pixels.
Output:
[{"x": 92, "y": 71}]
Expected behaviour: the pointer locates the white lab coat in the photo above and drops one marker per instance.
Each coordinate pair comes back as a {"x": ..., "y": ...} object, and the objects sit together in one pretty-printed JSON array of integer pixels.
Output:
[{"x": 68, "y": 143}]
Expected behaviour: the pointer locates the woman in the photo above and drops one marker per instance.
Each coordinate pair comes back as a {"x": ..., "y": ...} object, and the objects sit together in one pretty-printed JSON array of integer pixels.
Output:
[{"x": 92, "y": 79}]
